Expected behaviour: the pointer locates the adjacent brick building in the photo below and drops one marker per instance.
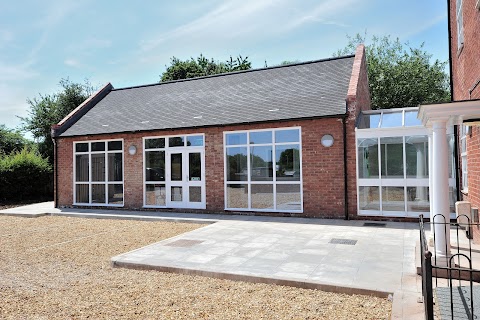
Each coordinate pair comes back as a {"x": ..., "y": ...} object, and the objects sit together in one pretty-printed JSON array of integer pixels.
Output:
[
  {"x": 276, "y": 141},
  {"x": 464, "y": 31}
]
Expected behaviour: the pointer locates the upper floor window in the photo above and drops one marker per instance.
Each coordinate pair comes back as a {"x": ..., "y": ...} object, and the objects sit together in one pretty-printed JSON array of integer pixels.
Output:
[{"x": 459, "y": 12}]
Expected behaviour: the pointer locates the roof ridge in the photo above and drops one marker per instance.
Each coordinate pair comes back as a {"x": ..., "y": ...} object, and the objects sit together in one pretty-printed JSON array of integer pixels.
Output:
[{"x": 237, "y": 72}]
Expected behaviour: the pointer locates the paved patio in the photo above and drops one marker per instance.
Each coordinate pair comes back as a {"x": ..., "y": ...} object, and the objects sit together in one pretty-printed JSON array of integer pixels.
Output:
[{"x": 333, "y": 255}]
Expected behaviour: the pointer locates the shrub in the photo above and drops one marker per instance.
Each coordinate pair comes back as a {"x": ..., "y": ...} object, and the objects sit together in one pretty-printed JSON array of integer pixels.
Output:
[{"x": 24, "y": 175}]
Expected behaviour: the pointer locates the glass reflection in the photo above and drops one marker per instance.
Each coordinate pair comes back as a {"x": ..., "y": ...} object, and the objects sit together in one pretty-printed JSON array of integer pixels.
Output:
[
  {"x": 261, "y": 163},
  {"x": 287, "y": 159},
  {"x": 237, "y": 164}
]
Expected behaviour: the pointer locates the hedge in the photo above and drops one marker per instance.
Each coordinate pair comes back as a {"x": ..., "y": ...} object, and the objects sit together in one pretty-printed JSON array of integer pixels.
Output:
[{"x": 24, "y": 175}]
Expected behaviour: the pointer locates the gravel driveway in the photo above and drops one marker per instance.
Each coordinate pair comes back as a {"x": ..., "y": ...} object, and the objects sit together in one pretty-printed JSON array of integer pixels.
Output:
[{"x": 58, "y": 268}]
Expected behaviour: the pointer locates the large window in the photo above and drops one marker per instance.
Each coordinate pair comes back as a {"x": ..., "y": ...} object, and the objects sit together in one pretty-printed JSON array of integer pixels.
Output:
[
  {"x": 98, "y": 173},
  {"x": 263, "y": 170},
  {"x": 459, "y": 15}
]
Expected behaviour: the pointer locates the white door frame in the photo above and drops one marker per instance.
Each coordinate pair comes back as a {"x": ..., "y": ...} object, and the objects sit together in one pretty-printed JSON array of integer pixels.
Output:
[{"x": 185, "y": 183}]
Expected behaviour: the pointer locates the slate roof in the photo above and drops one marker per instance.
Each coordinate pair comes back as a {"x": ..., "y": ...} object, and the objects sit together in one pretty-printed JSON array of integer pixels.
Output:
[{"x": 304, "y": 90}]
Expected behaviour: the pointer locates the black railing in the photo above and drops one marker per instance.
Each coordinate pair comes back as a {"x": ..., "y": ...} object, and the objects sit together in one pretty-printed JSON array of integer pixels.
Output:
[{"x": 453, "y": 300}]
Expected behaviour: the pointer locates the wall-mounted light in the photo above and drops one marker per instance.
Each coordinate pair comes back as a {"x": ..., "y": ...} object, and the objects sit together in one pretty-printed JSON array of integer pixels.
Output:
[
  {"x": 132, "y": 150},
  {"x": 327, "y": 140}
]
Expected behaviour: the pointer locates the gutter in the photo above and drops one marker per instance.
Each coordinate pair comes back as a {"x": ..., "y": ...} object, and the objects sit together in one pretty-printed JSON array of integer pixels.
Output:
[
  {"x": 450, "y": 50},
  {"x": 345, "y": 181},
  {"x": 55, "y": 172}
]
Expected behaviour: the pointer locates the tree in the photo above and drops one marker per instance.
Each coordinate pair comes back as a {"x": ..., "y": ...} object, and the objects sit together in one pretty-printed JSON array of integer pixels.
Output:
[
  {"x": 49, "y": 109},
  {"x": 202, "y": 66},
  {"x": 399, "y": 75},
  {"x": 11, "y": 140}
]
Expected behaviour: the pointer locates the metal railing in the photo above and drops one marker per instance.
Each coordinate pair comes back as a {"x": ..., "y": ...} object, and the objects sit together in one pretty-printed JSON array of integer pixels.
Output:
[{"x": 442, "y": 280}]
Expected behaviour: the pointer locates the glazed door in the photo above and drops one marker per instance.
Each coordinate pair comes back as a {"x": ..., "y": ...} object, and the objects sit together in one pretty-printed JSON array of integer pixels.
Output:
[{"x": 186, "y": 178}]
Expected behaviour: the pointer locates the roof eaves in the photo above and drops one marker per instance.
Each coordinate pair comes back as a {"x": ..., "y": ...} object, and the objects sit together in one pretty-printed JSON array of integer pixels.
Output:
[{"x": 80, "y": 111}]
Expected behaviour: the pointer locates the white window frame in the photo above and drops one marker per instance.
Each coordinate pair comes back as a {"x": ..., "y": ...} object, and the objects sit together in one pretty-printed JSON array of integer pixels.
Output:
[
  {"x": 459, "y": 19},
  {"x": 274, "y": 181},
  {"x": 167, "y": 166},
  {"x": 463, "y": 156},
  {"x": 90, "y": 182}
]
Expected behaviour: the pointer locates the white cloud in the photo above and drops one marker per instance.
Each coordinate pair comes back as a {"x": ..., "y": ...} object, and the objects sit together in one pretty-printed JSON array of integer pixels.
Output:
[
  {"x": 321, "y": 13},
  {"x": 71, "y": 62}
]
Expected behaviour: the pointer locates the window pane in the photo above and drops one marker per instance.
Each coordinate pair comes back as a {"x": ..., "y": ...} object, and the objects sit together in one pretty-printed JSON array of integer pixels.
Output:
[
  {"x": 194, "y": 141},
  {"x": 288, "y": 197},
  {"x": 81, "y": 170},
  {"x": 98, "y": 193},
  {"x": 98, "y": 146},
  {"x": 237, "y": 196},
  {"x": 115, "y": 194},
  {"x": 262, "y": 196},
  {"x": 417, "y": 199},
  {"x": 176, "y": 167},
  {"x": 372, "y": 120},
  {"x": 292, "y": 135},
  {"x": 390, "y": 120},
  {"x": 392, "y": 157},
  {"x": 393, "y": 199},
  {"x": 176, "y": 193},
  {"x": 194, "y": 166},
  {"x": 176, "y": 142},
  {"x": 155, "y": 166},
  {"x": 81, "y": 147},
  {"x": 260, "y": 137},
  {"x": 82, "y": 193},
  {"x": 416, "y": 153},
  {"x": 114, "y": 145},
  {"x": 237, "y": 164},
  {"x": 115, "y": 168},
  {"x": 236, "y": 138},
  {"x": 369, "y": 198},
  {"x": 411, "y": 119},
  {"x": 367, "y": 158},
  {"x": 288, "y": 162},
  {"x": 155, "y": 143},
  {"x": 195, "y": 194},
  {"x": 98, "y": 167},
  {"x": 451, "y": 156},
  {"x": 155, "y": 195},
  {"x": 261, "y": 163}
]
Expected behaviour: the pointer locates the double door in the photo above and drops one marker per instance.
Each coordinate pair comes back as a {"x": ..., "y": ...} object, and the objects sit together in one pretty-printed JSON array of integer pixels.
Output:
[{"x": 185, "y": 179}]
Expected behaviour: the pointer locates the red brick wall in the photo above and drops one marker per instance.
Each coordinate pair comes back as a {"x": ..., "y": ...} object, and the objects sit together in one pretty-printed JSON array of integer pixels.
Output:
[
  {"x": 465, "y": 77},
  {"x": 358, "y": 99},
  {"x": 323, "y": 177},
  {"x": 465, "y": 66}
]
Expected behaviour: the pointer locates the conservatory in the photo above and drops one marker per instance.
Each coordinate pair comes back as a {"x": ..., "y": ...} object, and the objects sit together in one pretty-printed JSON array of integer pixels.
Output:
[{"x": 393, "y": 164}]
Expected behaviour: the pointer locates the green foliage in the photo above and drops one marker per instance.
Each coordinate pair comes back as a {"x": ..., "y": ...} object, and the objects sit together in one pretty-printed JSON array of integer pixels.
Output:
[
  {"x": 399, "y": 75},
  {"x": 202, "y": 66},
  {"x": 24, "y": 175},
  {"x": 11, "y": 140},
  {"x": 46, "y": 110}
]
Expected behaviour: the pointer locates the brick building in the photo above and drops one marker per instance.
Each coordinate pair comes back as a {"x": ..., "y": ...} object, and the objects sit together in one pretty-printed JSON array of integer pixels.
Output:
[
  {"x": 464, "y": 31},
  {"x": 277, "y": 140}
]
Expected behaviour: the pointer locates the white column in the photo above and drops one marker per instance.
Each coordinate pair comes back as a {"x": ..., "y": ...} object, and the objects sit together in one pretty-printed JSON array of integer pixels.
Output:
[{"x": 441, "y": 203}]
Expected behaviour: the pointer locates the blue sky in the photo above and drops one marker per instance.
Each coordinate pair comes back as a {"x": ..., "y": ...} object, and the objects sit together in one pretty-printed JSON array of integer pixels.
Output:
[{"x": 130, "y": 42}]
